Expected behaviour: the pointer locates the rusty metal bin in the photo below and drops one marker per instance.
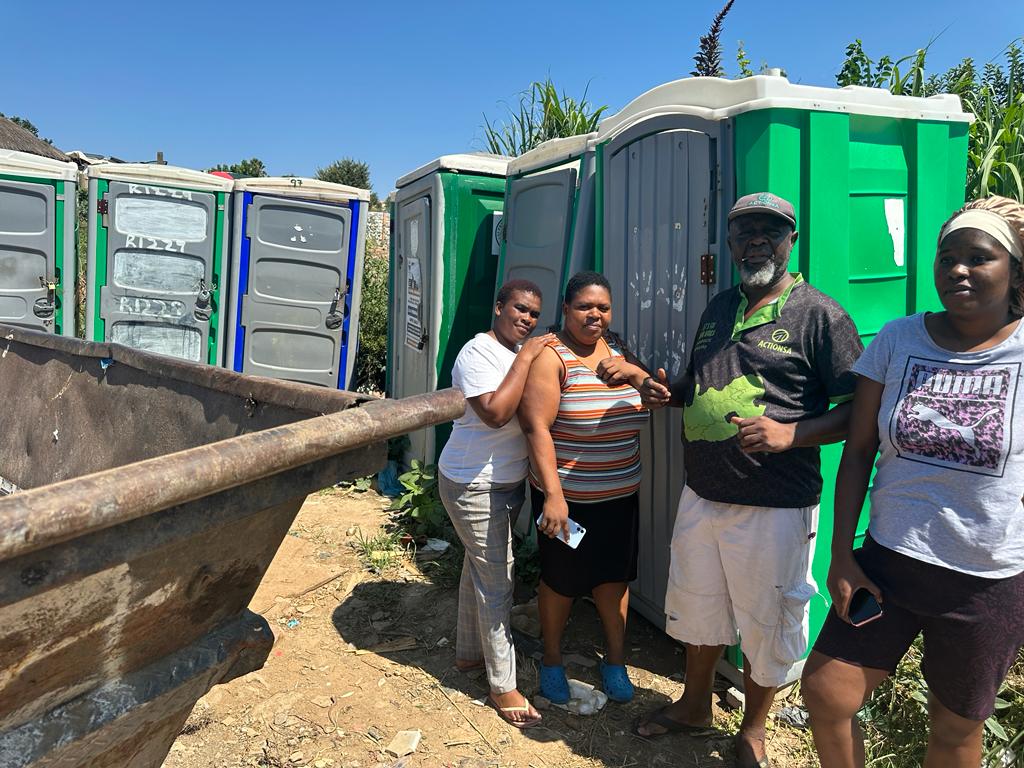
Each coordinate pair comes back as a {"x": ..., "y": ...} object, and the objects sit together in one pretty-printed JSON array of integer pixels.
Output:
[{"x": 142, "y": 500}]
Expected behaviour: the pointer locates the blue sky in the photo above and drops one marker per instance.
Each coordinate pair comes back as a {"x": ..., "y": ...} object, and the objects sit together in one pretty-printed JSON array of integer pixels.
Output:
[{"x": 299, "y": 84}]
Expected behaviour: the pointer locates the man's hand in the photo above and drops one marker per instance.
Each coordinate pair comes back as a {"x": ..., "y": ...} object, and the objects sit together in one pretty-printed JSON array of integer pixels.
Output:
[
  {"x": 764, "y": 435},
  {"x": 654, "y": 392},
  {"x": 844, "y": 578}
]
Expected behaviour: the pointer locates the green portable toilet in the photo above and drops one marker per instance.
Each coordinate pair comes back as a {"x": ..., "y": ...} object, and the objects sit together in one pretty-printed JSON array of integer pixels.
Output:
[
  {"x": 872, "y": 176},
  {"x": 157, "y": 266},
  {"x": 37, "y": 242},
  {"x": 444, "y": 263},
  {"x": 548, "y": 224}
]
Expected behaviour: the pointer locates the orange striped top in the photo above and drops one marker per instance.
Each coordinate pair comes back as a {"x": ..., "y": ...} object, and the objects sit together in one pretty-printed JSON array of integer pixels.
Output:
[{"x": 596, "y": 434}]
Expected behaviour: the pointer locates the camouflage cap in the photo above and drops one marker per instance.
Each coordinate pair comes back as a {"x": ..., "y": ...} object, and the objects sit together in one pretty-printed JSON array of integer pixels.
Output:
[{"x": 764, "y": 202}]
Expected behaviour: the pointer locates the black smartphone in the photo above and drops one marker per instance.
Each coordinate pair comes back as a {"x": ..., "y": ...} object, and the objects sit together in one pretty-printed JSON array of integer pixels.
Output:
[{"x": 864, "y": 608}]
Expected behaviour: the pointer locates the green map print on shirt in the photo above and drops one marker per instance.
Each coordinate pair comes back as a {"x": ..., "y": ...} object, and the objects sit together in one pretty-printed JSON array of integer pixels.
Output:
[{"x": 708, "y": 417}]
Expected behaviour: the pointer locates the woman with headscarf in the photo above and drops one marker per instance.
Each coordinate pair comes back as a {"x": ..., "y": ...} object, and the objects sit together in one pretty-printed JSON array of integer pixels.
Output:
[{"x": 939, "y": 397}]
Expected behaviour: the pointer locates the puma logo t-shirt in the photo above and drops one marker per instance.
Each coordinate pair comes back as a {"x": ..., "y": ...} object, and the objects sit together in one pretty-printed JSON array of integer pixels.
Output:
[{"x": 951, "y": 471}]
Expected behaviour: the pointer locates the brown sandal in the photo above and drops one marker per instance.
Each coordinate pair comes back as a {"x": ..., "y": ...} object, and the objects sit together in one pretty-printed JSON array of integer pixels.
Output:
[{"x": 659, "y": 718}]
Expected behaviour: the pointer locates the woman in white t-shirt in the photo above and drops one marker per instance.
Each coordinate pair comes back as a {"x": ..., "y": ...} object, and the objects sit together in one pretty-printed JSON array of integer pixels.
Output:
[
  {"x": 482, "y": 470},
  {"x": 939, "y": 398}
]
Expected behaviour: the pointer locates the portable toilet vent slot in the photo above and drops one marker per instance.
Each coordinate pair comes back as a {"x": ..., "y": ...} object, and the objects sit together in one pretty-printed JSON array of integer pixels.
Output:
[
  {"x": 158, "y": 239},
  {"x": 296, "y": 279},
  {"x": 37, "y": 242}
]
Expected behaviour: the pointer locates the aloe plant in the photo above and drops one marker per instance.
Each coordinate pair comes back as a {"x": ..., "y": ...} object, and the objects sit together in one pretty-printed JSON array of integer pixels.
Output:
[{"x": 542, "y": 114}]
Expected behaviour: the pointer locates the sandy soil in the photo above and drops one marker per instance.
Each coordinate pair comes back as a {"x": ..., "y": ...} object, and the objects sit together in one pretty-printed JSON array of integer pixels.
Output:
[{"x": 359, "y": 657}]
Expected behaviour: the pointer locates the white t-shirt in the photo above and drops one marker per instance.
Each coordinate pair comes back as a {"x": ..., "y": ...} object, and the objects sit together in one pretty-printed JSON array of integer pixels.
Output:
[
  {"x": 951, "y": 471},
  {"x": 475, "y": 452}
]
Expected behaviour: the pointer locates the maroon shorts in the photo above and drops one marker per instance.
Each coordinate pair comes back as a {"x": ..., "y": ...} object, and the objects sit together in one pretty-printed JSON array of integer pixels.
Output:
[{"x": 973, "y": 628}]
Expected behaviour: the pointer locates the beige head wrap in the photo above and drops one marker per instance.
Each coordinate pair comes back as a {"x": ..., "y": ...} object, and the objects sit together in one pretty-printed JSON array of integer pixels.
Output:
[
  {"x": 1000, "y": 217},
  {"x": 990, "y": 223},
  {"x": 1007, "y": 227}
]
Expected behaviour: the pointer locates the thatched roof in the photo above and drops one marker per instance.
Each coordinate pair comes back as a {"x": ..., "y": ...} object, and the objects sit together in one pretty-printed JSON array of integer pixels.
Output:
[{"x": 17, "y": 138}]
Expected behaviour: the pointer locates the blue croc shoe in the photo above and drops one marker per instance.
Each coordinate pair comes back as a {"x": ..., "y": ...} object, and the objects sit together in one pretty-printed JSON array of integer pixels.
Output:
[
  {"x": 553, "y": 684},
  {"x": 616, "y": 682}
]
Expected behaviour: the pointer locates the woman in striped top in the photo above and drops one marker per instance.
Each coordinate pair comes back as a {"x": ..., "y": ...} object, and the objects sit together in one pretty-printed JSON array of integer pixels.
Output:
[{"x": 583, "y": 438}]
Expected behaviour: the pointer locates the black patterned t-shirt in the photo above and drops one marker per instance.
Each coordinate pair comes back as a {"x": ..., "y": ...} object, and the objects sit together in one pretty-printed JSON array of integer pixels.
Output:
[{"x": 787, "y": 361}]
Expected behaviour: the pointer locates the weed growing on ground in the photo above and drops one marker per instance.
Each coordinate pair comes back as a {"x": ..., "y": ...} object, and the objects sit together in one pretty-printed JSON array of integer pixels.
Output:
[
  {"x": 895, "y": 719},
  {"x": 527, "y": 558},
  {"x": 359, "y": 485},
  {"x": 380, "y": 552},
  {"x": 419, "y": 510}
]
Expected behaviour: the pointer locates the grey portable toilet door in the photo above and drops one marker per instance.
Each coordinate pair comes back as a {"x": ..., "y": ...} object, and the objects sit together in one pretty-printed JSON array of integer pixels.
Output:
[
  {"x": 28, "y": 254},
  {"x": 415, "y": 298},
  {"x": 657, "y": 228},
  {"x": 294, "y": 304},
  {"x": 159, "y": 269},
  {"x": 416, "y": 359},
  {"x": 539, "y": 218}
]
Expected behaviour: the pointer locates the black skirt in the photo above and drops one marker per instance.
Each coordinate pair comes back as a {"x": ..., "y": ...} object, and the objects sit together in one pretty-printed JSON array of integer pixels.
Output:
[{"x": 607, "y": 553}]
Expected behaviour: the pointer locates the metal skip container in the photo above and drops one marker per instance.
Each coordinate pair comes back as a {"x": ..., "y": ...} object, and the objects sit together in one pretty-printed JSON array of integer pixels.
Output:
[
  {"x": 139, "y": 508},
  {"x": 444, "y": 263},
  {"x": 37, "y": 242},
  {"x": 158, "y": 240},
  {"x": 296, "y": 279}
]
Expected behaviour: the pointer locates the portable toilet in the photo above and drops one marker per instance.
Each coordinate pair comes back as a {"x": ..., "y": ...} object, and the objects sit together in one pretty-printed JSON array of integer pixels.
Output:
[
  {"x": 38, "y": 224},
  {"x": 158, "y": 240},
  {"x": 548, "y": 229},
  {"x": 296, "y": 277},
  {"x": 444, "y": 263},
  {"x": 872, "y": 177}
]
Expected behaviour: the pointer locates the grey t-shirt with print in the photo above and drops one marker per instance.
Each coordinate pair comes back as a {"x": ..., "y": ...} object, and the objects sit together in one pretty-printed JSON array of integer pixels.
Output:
[{"x": 951, "y": 471}]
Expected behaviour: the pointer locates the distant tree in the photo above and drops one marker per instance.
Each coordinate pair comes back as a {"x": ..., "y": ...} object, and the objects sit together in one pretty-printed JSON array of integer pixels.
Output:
[
  {"x": 253, "y": 167},
  {"x": 542, "y": 114},
  {"x": 28, "y": 125},
  {"x": 708, "y": 61},
  {"x": 351, "y": 172}
]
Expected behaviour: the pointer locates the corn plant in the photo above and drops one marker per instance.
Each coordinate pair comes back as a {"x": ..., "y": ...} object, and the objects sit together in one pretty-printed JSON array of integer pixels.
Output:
[
  {"x": 995, "y": 156},
  {"x": 542, "y": 114}
]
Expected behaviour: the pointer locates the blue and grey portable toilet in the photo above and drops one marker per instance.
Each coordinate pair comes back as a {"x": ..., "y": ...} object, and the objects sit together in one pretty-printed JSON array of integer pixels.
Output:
[
  {"x": 296, "y": 279},
  {"x": 37, "y": 242},
  {"x": 158, "y": 240},
  {"x": 548, "y": 232}
]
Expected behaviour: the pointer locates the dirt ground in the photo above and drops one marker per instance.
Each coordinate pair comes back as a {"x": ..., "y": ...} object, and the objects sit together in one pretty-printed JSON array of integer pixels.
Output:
[{"x": 359, "y": 657}]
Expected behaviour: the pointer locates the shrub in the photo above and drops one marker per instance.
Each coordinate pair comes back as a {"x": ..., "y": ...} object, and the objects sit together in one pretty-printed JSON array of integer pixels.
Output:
[
  {"x": 995, "y": 155},
  {"x": 372, "y": 353}
]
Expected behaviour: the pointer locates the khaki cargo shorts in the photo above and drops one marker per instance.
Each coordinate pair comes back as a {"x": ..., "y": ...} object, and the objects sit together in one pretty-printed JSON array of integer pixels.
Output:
[{"x": 746, "y": 571}]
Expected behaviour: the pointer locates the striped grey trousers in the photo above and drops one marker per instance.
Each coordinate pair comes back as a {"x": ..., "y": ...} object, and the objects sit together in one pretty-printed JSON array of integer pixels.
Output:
[{"x": 483, "y": 517}]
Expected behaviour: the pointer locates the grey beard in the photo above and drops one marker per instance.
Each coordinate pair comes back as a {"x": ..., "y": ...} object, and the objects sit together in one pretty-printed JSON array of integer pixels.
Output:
[{"x": 761, "y": 277}]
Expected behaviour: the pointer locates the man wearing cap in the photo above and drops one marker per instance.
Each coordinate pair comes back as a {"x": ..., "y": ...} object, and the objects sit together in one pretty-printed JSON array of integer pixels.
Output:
[{"x": 769, "y": 357}]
